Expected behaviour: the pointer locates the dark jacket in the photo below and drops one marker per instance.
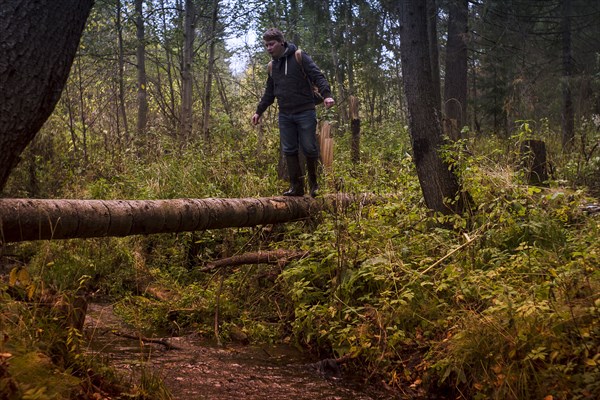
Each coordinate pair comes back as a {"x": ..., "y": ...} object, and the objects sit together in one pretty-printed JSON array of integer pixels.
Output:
[{"x": 287, "y": 83}]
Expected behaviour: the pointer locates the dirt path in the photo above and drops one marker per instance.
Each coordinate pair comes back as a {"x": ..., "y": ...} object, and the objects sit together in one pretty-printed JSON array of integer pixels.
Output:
[{"x": 196, "y": 369}]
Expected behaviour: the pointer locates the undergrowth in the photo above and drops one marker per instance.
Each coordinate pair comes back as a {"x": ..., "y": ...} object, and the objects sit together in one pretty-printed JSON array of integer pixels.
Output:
[{"x": 500, "y": 303}]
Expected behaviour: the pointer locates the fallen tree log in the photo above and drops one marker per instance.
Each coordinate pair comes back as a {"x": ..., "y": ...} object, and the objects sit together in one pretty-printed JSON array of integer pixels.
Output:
[
  {"x": 42, "y": 219},
  {"x": 280, "y": 257}
]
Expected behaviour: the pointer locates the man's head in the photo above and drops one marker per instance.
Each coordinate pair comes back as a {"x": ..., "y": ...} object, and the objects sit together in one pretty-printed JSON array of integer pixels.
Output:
[{"x": 274, "y": 42}]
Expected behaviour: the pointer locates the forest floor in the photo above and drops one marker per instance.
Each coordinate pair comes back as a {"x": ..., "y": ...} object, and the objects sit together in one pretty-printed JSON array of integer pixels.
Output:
[{"x": 193, "y": 368}]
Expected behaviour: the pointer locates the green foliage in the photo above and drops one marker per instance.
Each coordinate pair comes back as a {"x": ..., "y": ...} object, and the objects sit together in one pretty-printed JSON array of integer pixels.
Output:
[
  {"x": 104, "y": 266},
  {"x": 501, "y": 302}
]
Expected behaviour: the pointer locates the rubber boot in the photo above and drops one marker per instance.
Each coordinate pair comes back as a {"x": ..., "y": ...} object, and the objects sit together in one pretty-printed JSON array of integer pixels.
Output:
[
  {"x": 296, "y": 178},
  {"x": 311, "y": 169}
]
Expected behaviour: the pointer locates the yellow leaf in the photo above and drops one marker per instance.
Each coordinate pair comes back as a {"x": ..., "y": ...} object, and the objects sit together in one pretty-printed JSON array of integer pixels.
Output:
[
  {"x": 23, "y": 276},
  {"x": 30, "y": 291},
  {"x": 590, "y": 362},
  {"x": 12, "y": 280}
]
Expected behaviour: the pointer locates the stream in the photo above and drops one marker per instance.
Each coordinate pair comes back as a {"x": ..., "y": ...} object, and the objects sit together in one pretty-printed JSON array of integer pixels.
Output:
[{"x": 195, "y": 368}]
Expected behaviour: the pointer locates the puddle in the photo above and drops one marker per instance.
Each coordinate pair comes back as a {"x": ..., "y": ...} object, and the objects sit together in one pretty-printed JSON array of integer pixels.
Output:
[{"x": 197, "y": 369}]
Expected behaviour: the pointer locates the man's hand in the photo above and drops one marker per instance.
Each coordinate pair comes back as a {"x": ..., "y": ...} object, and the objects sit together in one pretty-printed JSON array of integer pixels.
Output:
[
  {"x": 328, "y": 102},
  {"x": 255, "y": 119}
]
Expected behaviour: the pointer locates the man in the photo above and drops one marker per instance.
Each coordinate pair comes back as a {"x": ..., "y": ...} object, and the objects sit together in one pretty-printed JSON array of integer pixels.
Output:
[{"x": 290, "y": 83}]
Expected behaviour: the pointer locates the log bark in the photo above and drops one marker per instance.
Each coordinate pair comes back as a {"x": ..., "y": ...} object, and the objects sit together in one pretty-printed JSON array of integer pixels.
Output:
[{"x": 41, "y": 219}]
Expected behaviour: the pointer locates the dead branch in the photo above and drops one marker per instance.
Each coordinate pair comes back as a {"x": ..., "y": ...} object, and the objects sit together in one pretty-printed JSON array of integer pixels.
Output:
[
  {"x": 144, "y": 339},
  {"x": 280, "y": 257}
]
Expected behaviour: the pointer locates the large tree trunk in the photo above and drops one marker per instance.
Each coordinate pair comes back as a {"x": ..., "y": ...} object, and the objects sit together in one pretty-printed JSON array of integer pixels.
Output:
[
  {"x": 455, "y": 84},
  {"x": 32, "y": 72},
  {"x": 31, "y": 219},
  {"x": 439, "y": 185},
  {"x": 434, "y": 53}
]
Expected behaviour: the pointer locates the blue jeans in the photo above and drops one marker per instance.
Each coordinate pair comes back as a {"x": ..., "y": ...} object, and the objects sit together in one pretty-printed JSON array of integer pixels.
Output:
[{"x": 299, "y": 130}]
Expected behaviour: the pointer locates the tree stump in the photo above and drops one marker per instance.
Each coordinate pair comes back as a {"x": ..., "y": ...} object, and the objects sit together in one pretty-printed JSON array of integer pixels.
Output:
[
  {"x": 326, "y": 145},
  {"x": 533, "y": 162}
]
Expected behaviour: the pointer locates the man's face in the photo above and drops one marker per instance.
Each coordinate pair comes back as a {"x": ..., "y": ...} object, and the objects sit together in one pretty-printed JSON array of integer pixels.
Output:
[{"x": 274, "y": 48}]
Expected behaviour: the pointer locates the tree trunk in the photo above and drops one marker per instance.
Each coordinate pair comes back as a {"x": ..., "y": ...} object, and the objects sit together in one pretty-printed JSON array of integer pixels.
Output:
[
  {"x": 432, "y": 14},
  {"x": 568, "y": 114},
  {"x": 224, "y": 100},
  {"x": 122, "y": 112},
  {"x": 142, "y": 94},
  {"x": 168, "y": 104},
  {"x": 335, "y": 58},
  {"x": 33, "y": 73},
  {"x": 31, "y": 219},
  {"x": 186, "y": 72},
  {"x": 355, "y": 128},
  {"x": 455, "y": 84},
  {"x": 533, "y": 162},
  {"x": 210, "y": 71},
  {"x": 82, "y": 112},
  {"x": 349, "y": 47},
  {"x": 439, "y": 185}
]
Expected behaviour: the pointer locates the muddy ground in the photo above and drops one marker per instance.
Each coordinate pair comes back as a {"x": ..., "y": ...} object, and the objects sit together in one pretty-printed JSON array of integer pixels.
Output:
[{"x": 194, "y": 368}]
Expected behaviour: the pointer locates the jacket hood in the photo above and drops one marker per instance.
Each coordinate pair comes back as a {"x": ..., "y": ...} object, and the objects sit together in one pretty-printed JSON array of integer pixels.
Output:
[{"x": 290, "y": 48}]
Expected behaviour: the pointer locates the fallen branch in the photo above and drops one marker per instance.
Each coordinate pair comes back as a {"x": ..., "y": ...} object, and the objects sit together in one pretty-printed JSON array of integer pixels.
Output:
[
  {"x": 279, "y": 257},
  {"x": 161, "y": 293},
  {"x": 141, "y": 338},
  {"x": 462, "y": 246}
]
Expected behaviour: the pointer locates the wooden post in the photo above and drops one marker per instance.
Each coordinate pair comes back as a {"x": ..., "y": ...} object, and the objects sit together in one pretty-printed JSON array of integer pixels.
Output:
[{"x": 355, "y": 127}]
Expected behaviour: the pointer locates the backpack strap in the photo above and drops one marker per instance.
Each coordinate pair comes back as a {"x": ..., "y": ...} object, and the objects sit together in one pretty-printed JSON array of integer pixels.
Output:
[
  {"x": 316, "y": 93},
  {"x": 298, "y": 55}
]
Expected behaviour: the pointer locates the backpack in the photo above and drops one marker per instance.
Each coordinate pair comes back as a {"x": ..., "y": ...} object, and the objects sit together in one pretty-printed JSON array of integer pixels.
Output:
[{"x": 317, "y": 98}]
